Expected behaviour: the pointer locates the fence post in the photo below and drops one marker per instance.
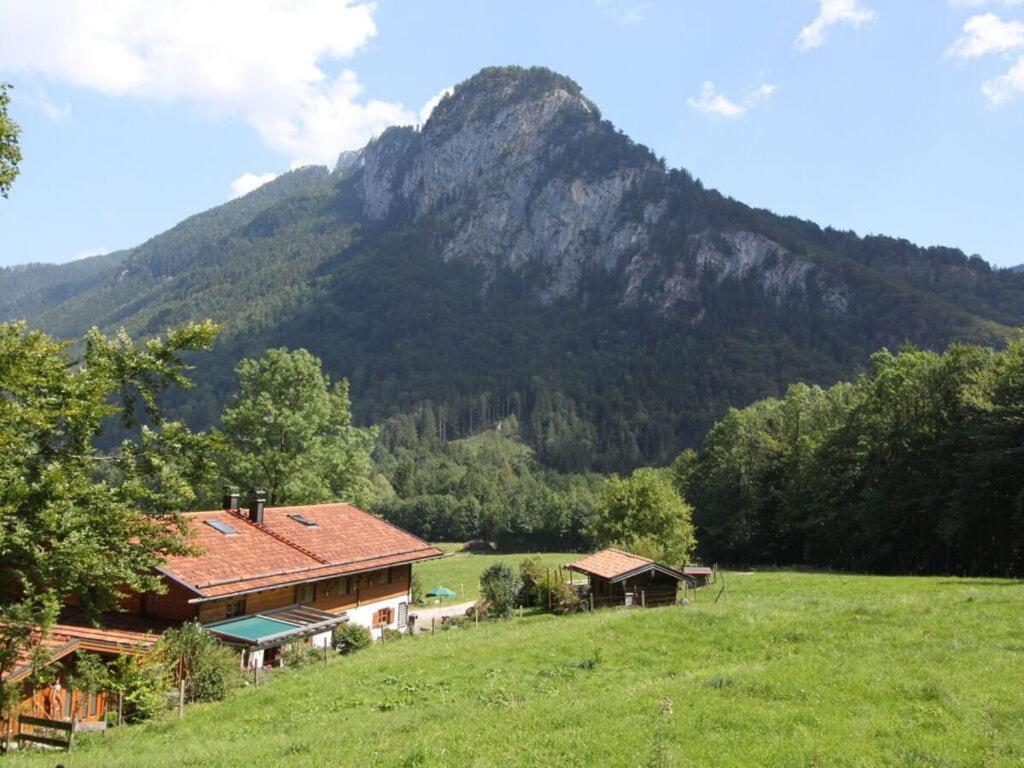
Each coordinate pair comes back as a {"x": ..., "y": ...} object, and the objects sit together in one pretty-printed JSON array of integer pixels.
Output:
[
  {"x": 591, "y": 600},
  {"x": 181, "y": 697},
  {"x": 120, "y": 707},
  {"x": 643, "y": 598}
]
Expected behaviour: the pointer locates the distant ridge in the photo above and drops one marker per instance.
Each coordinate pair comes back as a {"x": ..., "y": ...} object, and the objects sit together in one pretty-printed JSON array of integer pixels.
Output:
[{"x": 519, "y": 254}]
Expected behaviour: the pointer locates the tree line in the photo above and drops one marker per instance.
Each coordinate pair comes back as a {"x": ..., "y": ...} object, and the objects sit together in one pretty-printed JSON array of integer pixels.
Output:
[{"x": 915, "y": 467}]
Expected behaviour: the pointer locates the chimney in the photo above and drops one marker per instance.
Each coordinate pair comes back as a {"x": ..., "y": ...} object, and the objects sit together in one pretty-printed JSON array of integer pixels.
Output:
[
  {"x": 256, "y": 507},
  {"x": 230, "y": 499}
]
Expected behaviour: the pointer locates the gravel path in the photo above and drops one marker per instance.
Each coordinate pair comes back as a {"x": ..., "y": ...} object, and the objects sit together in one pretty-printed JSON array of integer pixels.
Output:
[{"x": 424, "y": 615}]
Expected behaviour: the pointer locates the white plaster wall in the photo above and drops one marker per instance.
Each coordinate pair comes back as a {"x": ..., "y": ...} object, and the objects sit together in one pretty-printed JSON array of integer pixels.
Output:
[
  {"x": 364, "y": 613},
  {"x": 323, "y": 640}
]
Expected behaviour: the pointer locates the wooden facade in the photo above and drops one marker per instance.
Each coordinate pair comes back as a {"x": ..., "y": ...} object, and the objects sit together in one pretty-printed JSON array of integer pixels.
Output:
[
  {"x": 622, "y": 578},
  {"x": 336, "y": 594},
  {"x": 57, "y": 699}
]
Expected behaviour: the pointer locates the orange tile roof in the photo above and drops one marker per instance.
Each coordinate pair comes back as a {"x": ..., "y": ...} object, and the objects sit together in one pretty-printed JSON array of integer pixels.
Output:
[
  {"x": 63, "y": 639},
  {"x": 609, "y": 563},
  {"x": 284, "y": 551}
]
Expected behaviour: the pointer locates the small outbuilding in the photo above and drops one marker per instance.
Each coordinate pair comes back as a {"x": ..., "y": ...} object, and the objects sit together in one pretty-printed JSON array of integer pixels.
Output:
[{"x": 622, "y": 578}]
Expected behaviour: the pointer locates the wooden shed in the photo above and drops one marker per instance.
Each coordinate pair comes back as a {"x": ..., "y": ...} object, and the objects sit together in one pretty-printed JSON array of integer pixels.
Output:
[{"x": 622, "y": 578}]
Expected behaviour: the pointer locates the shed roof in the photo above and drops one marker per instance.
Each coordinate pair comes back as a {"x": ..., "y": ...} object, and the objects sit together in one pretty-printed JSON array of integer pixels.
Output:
[
  {"x": 617, "y": 565},
  {"x": 330, "y": 540},
  {"x": 64, "y": 639},
  {"x": 275, "y": 627}
]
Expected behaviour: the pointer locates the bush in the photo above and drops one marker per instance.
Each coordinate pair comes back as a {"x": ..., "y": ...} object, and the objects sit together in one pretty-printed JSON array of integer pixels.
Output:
[
  {"x": 532, "y": 574},
  {"x": 500, "y": 586},
  {"x": 301, "y": 654},
  {"x": 210, "y": 669},
  {"x": 142, "y": 685},
  {"x": 392, "y": 634},
  {"x": 216, "y": 677},
  {"x": 350, "y": 637},
  {"x": 454, "y": 622}
]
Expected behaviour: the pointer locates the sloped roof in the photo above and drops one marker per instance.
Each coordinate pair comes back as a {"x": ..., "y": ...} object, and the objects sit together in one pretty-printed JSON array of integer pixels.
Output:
[
  {"x": 282, "y": 551},
  {"x": 63, "y": 639},
  {"x": 615, "y": 565}
]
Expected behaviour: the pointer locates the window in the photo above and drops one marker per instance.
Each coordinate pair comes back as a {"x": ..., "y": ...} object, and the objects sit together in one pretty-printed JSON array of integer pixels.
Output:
[
  {"x": 383, "y": 617},
  {"x": 304, "y": 520},
  {"x": 235, "y": 608},
  {"x": 385, "y": 576},
  {"x": 343, "y": 585},
  {"x": 305, "y": 593},
  {"x": 224, "y": 528}
]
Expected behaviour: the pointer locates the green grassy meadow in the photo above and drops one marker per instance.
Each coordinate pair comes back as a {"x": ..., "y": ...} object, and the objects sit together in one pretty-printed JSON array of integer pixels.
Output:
[
  {"x": 790, "y": 670},
  {"x": 461, "y": 570}
]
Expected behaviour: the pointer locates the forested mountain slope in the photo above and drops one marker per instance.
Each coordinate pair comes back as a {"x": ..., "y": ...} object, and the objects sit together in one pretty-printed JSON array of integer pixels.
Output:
[{"x": 519, "y": 254}]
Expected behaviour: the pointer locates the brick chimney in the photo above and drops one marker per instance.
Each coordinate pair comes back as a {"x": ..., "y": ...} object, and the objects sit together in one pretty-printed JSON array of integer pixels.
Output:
[{"x": 256, "y": 506}]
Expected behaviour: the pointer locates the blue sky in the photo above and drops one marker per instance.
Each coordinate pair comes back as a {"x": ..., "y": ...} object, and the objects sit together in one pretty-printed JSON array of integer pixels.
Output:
[{"x": 882, "y": 116}]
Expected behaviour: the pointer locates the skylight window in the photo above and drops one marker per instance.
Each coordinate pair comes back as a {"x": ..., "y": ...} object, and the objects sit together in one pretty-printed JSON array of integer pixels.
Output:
[
  {"x": 224, "y": 528},
  {"x": 304, "y": 520}
]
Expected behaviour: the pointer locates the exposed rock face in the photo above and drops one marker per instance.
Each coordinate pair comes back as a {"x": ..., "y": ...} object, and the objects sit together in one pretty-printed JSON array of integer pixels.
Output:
[{"x": 508, "y": 182}]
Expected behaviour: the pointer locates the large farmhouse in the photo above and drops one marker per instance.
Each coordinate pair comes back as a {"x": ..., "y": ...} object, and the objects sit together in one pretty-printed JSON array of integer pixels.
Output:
[
  {"x": 262, "y": 578},
  {"x": 268, "y": 576}
]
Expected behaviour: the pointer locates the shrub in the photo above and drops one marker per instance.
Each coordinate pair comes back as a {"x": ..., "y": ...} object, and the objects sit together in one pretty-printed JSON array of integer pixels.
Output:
[
  {"x": 564, "y": 599},
  {"x": 532, "y": 574},
  {"x": 392, "y": 634},
  {"x": 191, "y": 653},
  {"x": 216, "y": 676},
  {"x": 350, "y": 637},
  {"x": 478, "y": 545},
  {"x": 142, "y": 687},
  {"x": 500, "y": 586},
  {"x": 301, "y": 654},
  {"x": 454, "y": 622}
]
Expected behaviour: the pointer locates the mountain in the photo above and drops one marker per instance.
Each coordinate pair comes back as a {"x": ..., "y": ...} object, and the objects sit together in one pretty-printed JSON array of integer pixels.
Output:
[{"x": 518, "y": 254}]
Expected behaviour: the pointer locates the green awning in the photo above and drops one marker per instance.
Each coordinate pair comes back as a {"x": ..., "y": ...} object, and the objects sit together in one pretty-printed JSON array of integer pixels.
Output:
[
  {"x": 253, "y": 628},
  {"x": 263, "y": 630}
]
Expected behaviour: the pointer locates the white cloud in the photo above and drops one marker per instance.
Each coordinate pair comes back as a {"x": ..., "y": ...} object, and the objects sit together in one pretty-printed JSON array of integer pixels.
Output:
[
  {"x": 85, "y": 253},
  {"x": 39, "y": 99},
  {"x": 268, "y": 62},
  {"x": 433, "y": 101},
  {"x": 830, "y": 13},
  {"x": 985, "y": 34},
  {"x": 625, "y": 12},
  {"x": 1002, "y": 89},
  {"x": 711, "y": 101},
  {"x": 247, "y": 182}
]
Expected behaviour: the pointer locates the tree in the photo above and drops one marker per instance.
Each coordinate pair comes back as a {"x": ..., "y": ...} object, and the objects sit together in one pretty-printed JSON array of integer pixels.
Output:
[
  {"x": 65, "y": 529},
  {"x": 645, "y": 514},
  {"x": 10, "y": 152},
  {"x": 289, "y": 432},
  {"x": 500, "y": 586}
]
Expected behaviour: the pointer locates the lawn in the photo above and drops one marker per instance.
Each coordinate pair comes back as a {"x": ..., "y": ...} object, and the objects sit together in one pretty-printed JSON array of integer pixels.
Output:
[
  {"x": 789, "y": 670},
  {"x": 461, "y": 570}
]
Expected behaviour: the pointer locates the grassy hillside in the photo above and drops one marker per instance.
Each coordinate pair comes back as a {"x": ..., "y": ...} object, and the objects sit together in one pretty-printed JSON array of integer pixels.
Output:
[{"x": 792, "y": 669}]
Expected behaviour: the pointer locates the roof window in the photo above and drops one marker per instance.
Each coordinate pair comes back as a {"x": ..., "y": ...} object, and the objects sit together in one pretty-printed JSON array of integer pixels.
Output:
[
  {"x": 223, "y": 527},
  {"x": 304, "y": 520}
]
